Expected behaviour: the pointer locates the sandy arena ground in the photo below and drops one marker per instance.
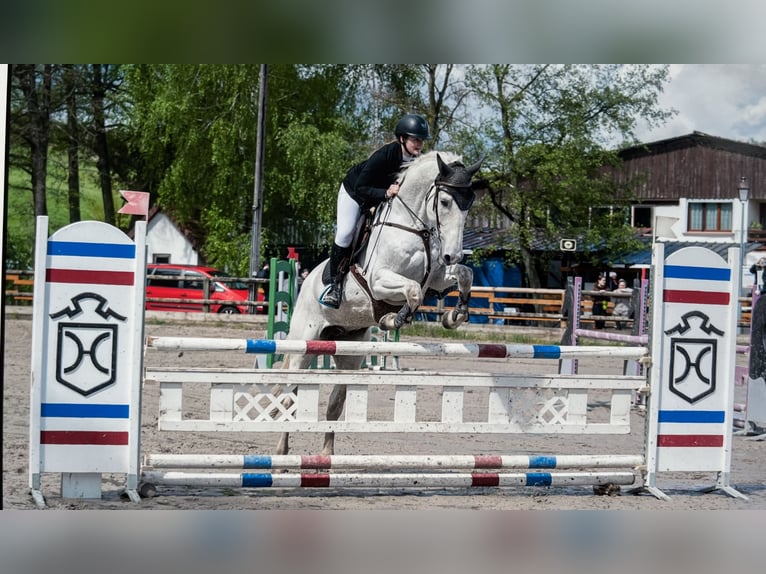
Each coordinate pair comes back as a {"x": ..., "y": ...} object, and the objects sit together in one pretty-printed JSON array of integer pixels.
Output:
[{"x": 748, "y": 468}]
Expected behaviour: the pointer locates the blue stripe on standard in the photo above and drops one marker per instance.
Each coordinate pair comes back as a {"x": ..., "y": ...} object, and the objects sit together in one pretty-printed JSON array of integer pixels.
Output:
[
  {"x": 692, "y": 416},
  {"x": 702, "y": 273},
  {"x": 84, "y": 411},
  {"x": 82, "y": 249}
]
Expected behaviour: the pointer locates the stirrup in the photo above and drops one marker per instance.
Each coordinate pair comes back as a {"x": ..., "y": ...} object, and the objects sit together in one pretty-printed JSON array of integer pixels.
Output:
[{"x": 331, "y": 296}]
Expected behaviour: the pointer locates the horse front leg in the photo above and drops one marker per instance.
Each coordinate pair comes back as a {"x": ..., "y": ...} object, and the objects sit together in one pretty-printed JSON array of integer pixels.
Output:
[
  {"x": 391, "y": 286},
  {"x": 459, "y": 315}
]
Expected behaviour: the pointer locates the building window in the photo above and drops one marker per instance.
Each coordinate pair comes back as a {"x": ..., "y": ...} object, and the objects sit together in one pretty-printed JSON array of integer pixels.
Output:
[
  {"x": 642, "y": 216},
  {"x": 709, "y": 216}
]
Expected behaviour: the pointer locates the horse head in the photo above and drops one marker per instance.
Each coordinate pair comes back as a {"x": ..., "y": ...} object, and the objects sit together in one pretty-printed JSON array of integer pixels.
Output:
[{"x": 453, "y": 198}]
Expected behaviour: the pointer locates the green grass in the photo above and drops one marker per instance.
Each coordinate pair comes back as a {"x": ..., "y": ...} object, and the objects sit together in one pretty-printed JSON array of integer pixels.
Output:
[
  {"x": 21, "y": 216},
  {"x": 508, "y": 335}
]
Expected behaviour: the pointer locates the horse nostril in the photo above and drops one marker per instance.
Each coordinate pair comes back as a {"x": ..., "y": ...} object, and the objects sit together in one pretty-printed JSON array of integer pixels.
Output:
[{"x": 447, "y": 259}]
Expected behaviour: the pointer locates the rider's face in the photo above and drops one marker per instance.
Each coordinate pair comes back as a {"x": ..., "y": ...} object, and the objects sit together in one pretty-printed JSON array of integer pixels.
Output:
[{"x": 413, "y": 145}]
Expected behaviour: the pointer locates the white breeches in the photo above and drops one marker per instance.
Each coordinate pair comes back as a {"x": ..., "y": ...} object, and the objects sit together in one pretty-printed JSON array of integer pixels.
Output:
[{"x": 348, "y": 212}]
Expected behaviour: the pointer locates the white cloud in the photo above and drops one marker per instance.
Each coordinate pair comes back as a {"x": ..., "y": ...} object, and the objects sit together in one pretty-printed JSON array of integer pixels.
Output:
[{"x": 724, "y": 100}]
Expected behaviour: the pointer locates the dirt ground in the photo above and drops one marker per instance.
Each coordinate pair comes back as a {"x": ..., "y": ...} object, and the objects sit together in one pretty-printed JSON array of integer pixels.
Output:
[{"x": 748, "y": 467}]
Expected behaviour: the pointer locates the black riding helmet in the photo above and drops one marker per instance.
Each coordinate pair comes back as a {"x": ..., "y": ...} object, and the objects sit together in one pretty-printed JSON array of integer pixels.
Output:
[{"x": 413, "y": 125}]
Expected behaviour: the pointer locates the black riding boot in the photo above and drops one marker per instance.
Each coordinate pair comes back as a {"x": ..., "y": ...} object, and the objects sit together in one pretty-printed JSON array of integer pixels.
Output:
[{"x": 333, "y": 295}]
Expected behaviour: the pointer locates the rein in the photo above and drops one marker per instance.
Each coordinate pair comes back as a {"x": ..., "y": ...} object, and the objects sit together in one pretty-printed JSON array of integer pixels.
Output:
[{"x": 424, "y": 233}]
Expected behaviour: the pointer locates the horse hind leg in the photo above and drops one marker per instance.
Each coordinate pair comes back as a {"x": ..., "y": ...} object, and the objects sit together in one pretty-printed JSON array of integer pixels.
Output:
[
  {"x": 301, "y": 362},
  {"x": 334, "y": 409},
  {"x": 337, "y": 399}
]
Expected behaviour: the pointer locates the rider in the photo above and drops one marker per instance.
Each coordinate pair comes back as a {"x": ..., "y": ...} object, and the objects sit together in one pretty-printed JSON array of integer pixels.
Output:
[{"x": 365, "y": 186}]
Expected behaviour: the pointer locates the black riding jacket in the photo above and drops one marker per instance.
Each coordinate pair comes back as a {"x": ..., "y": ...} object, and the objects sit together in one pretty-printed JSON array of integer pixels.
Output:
[{"x": 368, "y": 181}]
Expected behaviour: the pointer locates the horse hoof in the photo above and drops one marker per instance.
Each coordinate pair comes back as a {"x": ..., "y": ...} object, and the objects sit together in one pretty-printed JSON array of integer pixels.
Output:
[
  {"x": 454, "y": 320},
  {"x": 387, "y": 322}
]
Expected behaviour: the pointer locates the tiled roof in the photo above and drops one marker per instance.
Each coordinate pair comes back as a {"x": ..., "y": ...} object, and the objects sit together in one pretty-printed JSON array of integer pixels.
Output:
[{"x": 482, "y": 237}]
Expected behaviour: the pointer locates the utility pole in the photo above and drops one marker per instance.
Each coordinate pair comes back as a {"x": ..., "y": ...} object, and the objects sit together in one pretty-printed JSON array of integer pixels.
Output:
[{"x": 255, "y": 237}]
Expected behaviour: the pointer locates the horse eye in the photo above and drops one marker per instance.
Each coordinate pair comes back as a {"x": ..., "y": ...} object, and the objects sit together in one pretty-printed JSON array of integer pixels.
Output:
[{"x": 446, "y": 201}]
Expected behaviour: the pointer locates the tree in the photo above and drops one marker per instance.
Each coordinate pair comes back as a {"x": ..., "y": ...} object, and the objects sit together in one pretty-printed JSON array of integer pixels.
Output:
[
  {"x": 32, "y": 105},
  {"x": 550, "y": 130},
  {"x": 73, "y": 142},
  {"x": 102, "y": 80},
  {"x": 194, "y": 125}
]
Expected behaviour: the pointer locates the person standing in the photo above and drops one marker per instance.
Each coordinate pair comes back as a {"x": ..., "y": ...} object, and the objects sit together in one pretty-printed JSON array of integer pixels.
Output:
[
  {"x": 622, "y": 304},
  {"x": 366, "y": 185},
  {"x": 600, "y": 303},
  {"x": 264, "y": 273}
]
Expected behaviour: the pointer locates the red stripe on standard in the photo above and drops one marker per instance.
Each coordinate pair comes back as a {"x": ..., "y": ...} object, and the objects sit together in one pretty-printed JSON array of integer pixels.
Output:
[
  {"x": 487, "y": 461},
  {"x": 320, "y": 347},
  {"x": 693, "y": 440},
  {"x": 703, "y": 297},
  {"x": 315, "y": 480},
  {"x": 84, "y": 437},
  {"x": 89, "y": 276},
  {"x": 492, "y": 351},
  {"x": 485, "y": 479},
  {"x": 316, "y": 461}
]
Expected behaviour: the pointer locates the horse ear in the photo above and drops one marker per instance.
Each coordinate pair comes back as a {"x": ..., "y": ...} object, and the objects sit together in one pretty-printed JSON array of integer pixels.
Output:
[
  {"x": 444, "y": 170},
  {"x": 475, "y": 167}
]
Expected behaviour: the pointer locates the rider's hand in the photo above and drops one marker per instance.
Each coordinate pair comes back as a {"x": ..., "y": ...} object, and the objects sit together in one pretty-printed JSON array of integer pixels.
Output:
[{"x": 392, "y": 190}]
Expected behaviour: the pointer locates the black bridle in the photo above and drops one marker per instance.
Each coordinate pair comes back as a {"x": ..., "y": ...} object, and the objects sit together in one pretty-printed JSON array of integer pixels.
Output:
[{"x": 463, "y": 196}]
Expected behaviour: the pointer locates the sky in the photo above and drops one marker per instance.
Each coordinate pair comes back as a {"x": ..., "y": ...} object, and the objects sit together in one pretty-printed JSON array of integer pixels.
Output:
[{"x": 722, "y": 100}]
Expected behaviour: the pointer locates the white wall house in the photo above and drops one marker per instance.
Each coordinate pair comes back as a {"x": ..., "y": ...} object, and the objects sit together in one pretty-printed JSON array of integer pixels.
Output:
[
  {"x": 711, "y": 220},
  {"x": 166, "y": 243}
]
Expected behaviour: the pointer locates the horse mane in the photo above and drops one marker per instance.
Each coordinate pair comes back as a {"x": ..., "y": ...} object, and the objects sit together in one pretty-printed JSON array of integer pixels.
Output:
[{"x": 422, "y": 171}]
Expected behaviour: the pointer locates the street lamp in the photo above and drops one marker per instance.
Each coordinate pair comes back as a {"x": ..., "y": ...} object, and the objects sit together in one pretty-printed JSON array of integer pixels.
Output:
[{"x": 744, "y": 194}]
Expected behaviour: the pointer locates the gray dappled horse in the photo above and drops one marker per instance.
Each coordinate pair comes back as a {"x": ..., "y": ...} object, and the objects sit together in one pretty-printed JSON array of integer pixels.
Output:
[{"x": 415, "y": 246}]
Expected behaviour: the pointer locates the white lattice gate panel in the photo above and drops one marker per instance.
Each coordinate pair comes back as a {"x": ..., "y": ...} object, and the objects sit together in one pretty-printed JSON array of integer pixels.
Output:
[{"x": 246, "y": 400}]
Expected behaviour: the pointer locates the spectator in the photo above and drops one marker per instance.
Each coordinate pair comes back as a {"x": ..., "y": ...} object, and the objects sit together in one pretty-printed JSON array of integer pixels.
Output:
[
  {"x": 755, "y": 268},
  {"x": 264, "y": 273},
  {"x": 600, "y": 303},
  {"x": 622, "y": 304}
]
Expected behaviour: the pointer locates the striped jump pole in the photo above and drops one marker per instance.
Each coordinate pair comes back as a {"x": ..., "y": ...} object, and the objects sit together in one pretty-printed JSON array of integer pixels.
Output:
[
  {"x": 609, "y": 336},
  {"x": 390, "y": 462},
  {"x": 476, "y": 350},
  {"x": 385, "y": 480}
]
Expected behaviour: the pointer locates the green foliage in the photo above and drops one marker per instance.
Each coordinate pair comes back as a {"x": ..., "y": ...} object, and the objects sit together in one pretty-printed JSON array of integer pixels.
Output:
[
  {"x": 551, "y": 134},
  {"x": 20, "y": 231},
  {"x": 187, "y": 135},
  {"x": 319, "y": 162},
  {"x": 198, "y": 124}
]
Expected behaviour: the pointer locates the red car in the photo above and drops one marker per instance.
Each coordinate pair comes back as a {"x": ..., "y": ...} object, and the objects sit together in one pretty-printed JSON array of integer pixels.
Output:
[{"x": 183, "y": 285}]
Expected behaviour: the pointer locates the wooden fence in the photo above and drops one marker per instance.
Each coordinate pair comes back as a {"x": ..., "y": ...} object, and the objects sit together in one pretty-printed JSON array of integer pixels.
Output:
[{"x": 501, "y": 305}]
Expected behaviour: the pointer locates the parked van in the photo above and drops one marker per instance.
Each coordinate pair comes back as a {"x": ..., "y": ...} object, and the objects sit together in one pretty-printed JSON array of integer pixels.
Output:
[{"x": 187, "y": 282}]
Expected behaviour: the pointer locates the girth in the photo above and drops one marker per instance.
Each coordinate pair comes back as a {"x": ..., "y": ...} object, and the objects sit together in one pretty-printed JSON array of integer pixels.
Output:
[{"x": 379, "y": 308}]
